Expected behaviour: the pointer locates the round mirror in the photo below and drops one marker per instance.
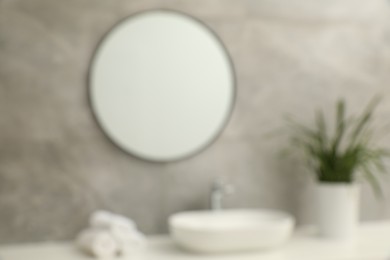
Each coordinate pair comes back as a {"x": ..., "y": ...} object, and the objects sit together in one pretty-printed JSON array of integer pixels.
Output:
[{"x": 162, "y": 85}]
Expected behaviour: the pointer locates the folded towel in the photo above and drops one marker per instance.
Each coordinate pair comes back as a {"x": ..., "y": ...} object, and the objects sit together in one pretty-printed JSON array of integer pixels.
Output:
[
  {"x": 110, "y": 235},
  {"x": 105, "y": 219},
  {"x": 129, "y": 241},
  {"x": 124, "y": 222},
  {"x": 98, "y": 243}
]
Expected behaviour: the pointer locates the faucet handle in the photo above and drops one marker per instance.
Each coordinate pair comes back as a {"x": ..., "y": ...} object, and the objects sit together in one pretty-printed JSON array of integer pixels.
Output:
[
  {"x": 229, "y": 189},
  {"x": 222, "y": 185},
  {"x": 219, "y": 189}
]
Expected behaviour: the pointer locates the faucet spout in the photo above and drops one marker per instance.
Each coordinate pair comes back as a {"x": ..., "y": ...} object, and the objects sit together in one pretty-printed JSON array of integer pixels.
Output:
[{"x": 219, "y": 190}]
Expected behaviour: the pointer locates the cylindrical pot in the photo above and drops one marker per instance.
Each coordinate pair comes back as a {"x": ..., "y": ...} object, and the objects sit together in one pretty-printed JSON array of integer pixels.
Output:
[{"x": 338, "y": 209}]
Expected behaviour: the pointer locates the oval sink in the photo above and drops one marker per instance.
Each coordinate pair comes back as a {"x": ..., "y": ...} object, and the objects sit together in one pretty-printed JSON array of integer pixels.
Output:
[{"x": 230, "y": 230}]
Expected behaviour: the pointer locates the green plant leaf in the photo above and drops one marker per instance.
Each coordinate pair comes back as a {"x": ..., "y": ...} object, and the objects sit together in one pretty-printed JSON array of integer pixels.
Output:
[
  {"x": 340, "y": 127},
  {"x": 364, "y": 119},
  {"x": 372, "y": 180}
]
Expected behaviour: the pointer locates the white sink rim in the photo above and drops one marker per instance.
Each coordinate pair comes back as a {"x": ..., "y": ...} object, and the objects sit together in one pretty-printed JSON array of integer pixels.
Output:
[
  {"x": 231, "y": 230},
  {"x": 181, "y": 219}
]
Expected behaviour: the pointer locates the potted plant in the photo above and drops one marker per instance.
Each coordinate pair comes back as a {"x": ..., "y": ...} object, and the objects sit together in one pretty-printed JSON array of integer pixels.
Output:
[{"x": 337, "y": 156}]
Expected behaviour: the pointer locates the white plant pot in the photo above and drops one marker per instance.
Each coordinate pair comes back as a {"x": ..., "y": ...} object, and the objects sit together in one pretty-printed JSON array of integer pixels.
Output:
[{"x": 338, "y": 209}]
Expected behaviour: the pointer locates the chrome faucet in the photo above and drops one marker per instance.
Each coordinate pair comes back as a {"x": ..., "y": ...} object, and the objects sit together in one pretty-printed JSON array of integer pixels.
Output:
[{"x": 219, "y": 190}]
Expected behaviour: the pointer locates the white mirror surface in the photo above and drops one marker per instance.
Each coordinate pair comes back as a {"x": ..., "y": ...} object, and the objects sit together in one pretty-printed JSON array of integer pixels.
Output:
[{"x": 162, "y": 85}]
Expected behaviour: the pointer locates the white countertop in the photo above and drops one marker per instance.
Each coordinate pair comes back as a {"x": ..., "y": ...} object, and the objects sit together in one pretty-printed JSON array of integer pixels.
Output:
[{"x": 371, "y": 243}]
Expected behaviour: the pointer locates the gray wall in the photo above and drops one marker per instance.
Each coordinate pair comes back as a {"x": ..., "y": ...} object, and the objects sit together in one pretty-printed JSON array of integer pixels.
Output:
[{"x": 56, "y": 166}]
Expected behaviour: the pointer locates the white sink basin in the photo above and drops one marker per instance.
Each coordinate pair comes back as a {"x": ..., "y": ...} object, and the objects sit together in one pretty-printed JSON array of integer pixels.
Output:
[{"x": 230, "y": 230}]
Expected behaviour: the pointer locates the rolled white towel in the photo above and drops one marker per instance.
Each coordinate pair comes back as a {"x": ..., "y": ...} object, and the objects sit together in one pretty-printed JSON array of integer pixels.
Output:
[
  {"x": 129, "y": 241},
  {"x": 101, "y": 219},
  {"x": 97, "y": 242},
  {"x": 106, "y": 220},
  {"x": 123, "y": 222}
]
